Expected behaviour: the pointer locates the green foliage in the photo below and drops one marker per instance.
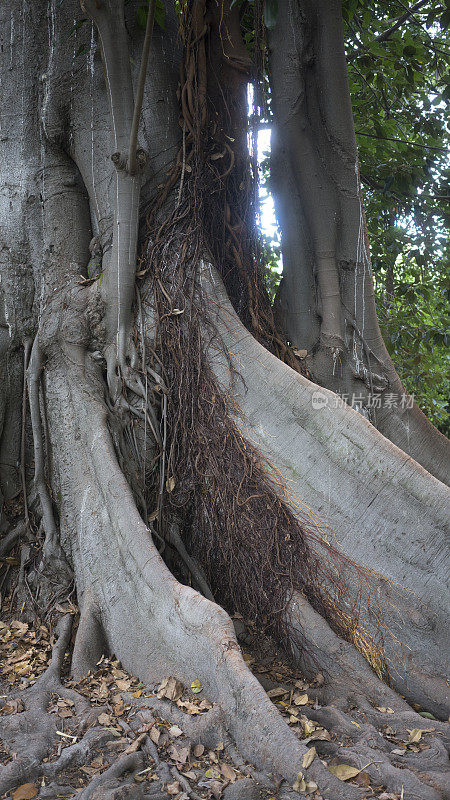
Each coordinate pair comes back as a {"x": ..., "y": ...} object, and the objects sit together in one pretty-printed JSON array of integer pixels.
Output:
[
  {"x": 400, "y": 86},
  {"x": 415, "y": 321},
  {"x": 271, "y": 262},
  {"x": 160, "y": 14}
]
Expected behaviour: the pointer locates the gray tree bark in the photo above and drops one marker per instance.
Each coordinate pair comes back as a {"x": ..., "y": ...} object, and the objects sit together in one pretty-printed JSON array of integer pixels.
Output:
[{"x": 326, "y": 301}]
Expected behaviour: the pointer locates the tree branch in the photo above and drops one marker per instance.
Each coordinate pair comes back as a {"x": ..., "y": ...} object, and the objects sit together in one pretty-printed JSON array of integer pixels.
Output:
[
  {"x": 382, "y": 37},
  {"x": 140, "y": 88},
  {"x": 395, "y": 139}
]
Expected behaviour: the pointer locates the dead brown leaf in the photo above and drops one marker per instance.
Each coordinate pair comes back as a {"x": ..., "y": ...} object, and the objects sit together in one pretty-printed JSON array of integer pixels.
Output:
[
  {"x": 279, "y": 691},
  {"x": 344, "y": 771},
  {"x": 179, "y": 754},
  {"x": 135, "y": 745},
  {"x": 227, "y": 772},
  {"x": 309, "y": 757},
  {"x": 170, "y": 688},
  {"x": 26, "y": 791},
  {"x": 301, "y": 699},
  {"x": 155, "y": 735}
]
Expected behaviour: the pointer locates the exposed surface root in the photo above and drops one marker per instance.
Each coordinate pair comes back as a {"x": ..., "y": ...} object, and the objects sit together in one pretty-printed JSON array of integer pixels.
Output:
[
  {"x": 348, "y": 673},
  {"x": 33, "y": 731},
  {"x": 118, "y": 740}
]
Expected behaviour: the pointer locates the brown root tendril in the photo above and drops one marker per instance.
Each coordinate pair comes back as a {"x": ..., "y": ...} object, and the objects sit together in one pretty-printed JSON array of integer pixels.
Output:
[{"x": 256, "y": 545}]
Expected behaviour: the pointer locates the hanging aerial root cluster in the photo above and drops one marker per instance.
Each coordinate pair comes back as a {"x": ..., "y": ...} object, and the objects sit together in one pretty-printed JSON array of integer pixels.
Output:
[
  {"x": 256, "y": 545},
  {"x": 214, "y": 77}
]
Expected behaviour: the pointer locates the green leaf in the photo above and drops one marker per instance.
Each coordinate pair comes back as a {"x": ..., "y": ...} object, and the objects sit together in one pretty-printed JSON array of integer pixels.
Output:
[
  {"x": 142, "y": 14},
  {"x": 160, "y": 15},
  {"x": 270, "y": 13},
  {"x": 445, "y": 19},
  {"x": 75, "y": 27}
]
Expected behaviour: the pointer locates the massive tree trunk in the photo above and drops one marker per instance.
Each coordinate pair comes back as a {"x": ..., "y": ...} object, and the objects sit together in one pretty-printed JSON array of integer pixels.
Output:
[{"x": 316, "y": 504}]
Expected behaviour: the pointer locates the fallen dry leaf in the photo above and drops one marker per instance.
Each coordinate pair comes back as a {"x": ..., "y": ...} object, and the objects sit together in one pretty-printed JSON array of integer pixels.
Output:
[
  {"x": 135, "y": 745},
  {"x": 415, "y": 734},
  {"x": 13, "y": 707},
  {"x": 299, "y": 783},
  {"x": 170, "y": 688},
  {"x": 91, "y": 771},
  {"x": 155, "y": 735},
  {"x": 301, "y": 699},
  {"x": 65, "y": 713},
  {"x": 227, "y": 772},
  {"x": 363, "y": 779},
  {"x": 344, "y": 771},
  {"x": 123, "y": 686},
  {"x": 319, "y": 735},
  {"x": 309, "y": 757},
  {"x": 212, "y": 773},
  {"x": 26, "y": 791},
  {"x": 190, "y": 774},
  {"x": 279, "y": 691},
  {"x": 216, "y": 788},
  {"x": 179, "y": 754}
]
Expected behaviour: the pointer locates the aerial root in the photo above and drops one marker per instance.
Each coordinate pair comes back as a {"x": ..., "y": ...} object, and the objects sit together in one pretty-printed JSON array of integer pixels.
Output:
[
  {"x": 8, "y": 541},
  {"x": 26, "y": 356},
  {"x": 53, "y": 558},
  {"x": 198, "y": 577}
]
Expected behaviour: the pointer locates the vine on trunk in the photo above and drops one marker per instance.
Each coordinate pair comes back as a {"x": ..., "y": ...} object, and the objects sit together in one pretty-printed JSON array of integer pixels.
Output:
[{"x": 212, "y": 488}]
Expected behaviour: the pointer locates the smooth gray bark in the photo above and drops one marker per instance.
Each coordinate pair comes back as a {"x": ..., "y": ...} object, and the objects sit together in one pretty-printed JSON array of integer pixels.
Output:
[
  {"x": 385, "y": 510},
  {"x": 326, "y": 301}
]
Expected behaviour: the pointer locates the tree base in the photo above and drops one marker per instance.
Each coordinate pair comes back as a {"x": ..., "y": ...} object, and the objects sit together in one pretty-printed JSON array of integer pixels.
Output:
[{"x": 136, "y": 743}]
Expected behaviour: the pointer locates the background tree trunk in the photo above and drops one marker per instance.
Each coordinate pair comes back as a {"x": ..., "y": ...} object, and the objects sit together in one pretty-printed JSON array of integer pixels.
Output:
[{"x": 325, "y": 245}]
